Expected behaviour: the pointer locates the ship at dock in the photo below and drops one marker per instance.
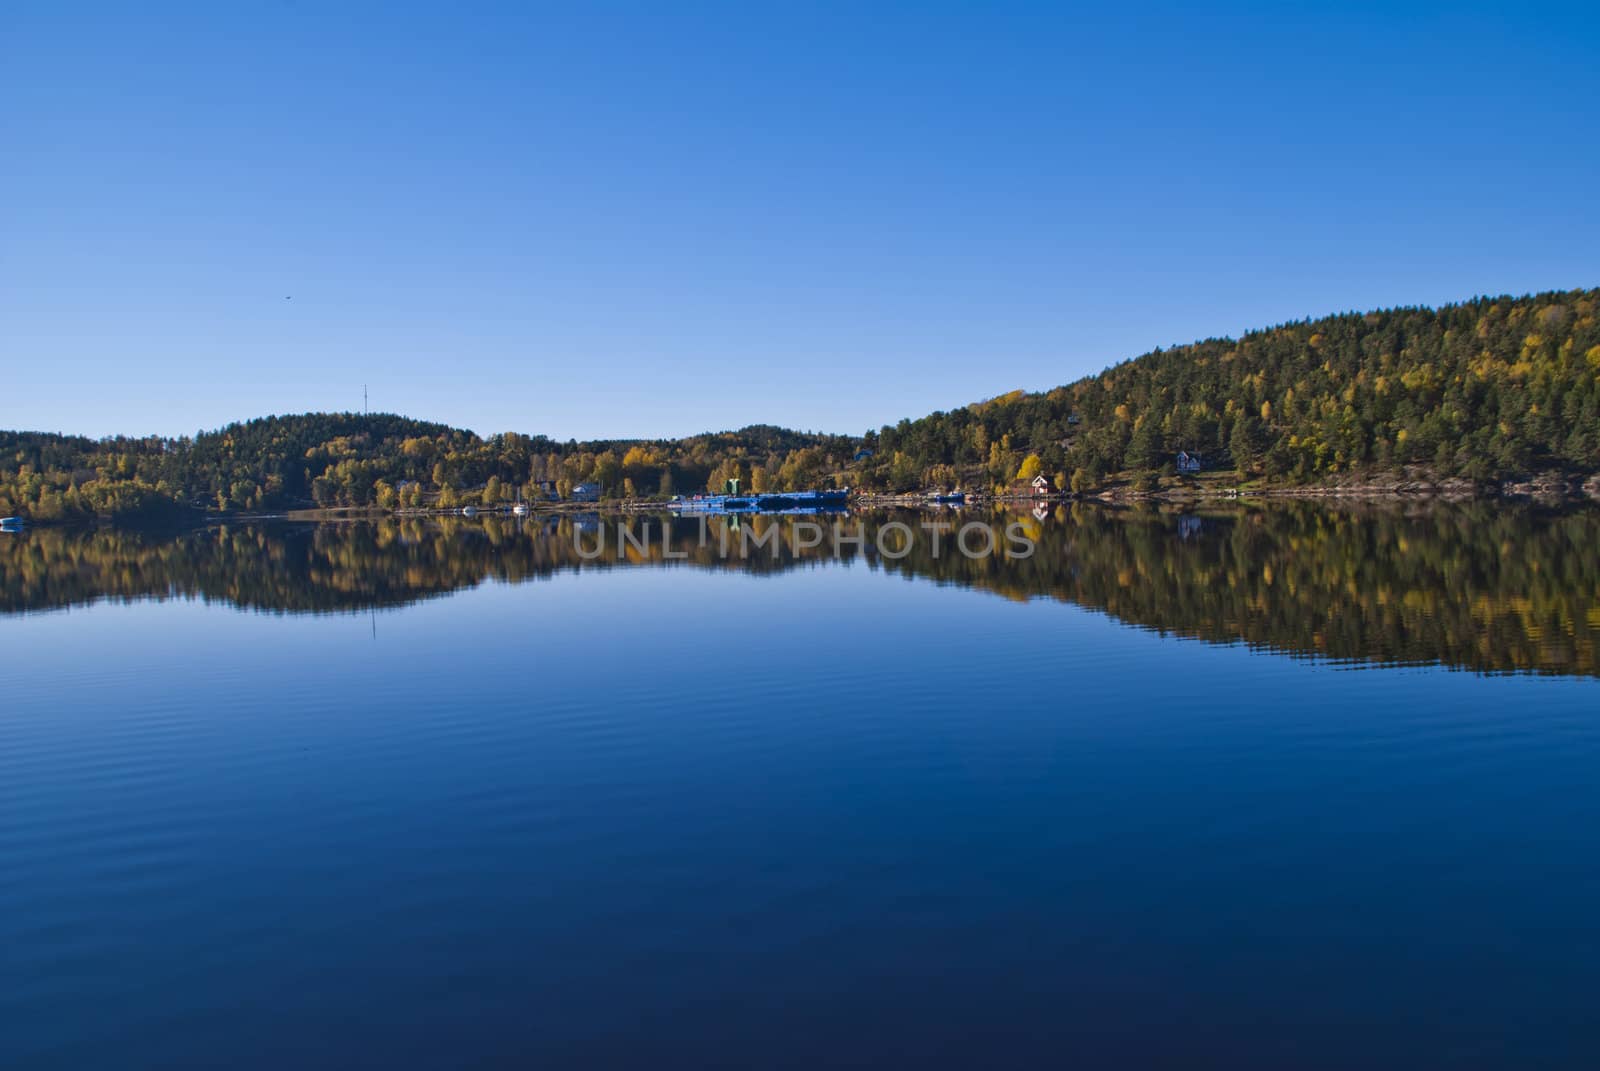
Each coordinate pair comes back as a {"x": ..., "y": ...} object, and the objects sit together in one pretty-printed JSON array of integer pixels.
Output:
[{"x": 763, "y": 502}]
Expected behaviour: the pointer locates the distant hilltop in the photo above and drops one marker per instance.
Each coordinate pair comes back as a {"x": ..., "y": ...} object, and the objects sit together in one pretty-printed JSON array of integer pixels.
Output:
[{"x": 1481, "y": 393}]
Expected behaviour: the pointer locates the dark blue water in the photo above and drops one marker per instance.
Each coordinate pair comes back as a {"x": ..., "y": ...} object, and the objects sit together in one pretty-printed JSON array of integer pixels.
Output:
[{"x": 828, "y": 817}]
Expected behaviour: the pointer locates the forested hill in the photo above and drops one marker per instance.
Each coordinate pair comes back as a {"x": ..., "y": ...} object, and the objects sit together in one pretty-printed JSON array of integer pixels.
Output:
[
  {"x": 1487, "y": 389},
  {"x": 349, "y": 459}
]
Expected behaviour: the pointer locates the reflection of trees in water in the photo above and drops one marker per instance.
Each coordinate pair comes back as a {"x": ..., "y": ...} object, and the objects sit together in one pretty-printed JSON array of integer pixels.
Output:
[{"x": 1480, "y": 586}]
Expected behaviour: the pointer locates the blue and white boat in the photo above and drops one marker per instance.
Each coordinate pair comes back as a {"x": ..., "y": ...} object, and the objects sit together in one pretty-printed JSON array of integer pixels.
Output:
[
  {"x": 12, "y": 524},
  {"x": 764, "y": 502}
]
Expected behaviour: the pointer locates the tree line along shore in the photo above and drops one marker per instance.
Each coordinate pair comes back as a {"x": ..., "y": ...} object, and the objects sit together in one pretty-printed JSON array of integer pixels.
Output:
[{"x": 1488, "y": 396}]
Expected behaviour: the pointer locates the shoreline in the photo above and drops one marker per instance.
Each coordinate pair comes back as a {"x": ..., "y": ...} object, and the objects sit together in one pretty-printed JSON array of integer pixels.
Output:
[
  {"x": 1549, "y": 489},
  {"x": 1576, "y": 492},
  {"x": 1398, "y": 488}
]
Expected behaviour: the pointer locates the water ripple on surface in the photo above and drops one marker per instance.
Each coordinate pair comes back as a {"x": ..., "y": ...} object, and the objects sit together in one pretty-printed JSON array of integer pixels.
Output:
[{"x": 508, "y": 817}]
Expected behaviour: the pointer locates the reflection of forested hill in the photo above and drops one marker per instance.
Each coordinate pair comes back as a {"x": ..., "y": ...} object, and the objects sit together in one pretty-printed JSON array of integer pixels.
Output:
[{"x": 1480, "y": 586}]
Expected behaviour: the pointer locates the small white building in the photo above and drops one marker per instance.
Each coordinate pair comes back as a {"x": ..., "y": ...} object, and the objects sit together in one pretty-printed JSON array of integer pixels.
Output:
[{"x": 1040, "y": 485}]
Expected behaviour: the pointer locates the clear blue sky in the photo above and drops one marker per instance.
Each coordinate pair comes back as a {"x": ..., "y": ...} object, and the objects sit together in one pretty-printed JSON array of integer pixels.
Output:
[{"x": 597, "y": 220}]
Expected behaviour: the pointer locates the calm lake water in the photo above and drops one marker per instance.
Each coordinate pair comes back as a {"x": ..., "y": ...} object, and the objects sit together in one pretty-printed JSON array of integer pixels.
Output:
[{"x": 1301, "y": 787}]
